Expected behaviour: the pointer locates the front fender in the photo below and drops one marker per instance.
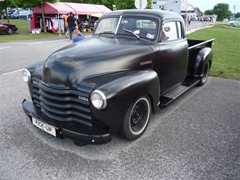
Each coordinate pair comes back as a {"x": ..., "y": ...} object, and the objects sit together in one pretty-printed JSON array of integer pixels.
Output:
[{"x": 121, "y": 91}]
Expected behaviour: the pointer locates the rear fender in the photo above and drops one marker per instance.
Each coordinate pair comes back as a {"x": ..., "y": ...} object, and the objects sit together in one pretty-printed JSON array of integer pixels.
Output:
[{"x": 201, "y": 57}]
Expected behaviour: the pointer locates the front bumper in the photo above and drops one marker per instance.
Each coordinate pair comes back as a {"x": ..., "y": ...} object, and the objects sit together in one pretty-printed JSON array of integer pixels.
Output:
[{"x": 78, "y": 136}]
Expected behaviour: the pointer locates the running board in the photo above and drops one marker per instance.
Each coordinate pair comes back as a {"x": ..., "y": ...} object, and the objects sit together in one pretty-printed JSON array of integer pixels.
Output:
[{"x": 169, "y": 97}]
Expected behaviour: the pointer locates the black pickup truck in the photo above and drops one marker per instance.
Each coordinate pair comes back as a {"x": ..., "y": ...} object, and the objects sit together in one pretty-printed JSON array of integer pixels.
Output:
[{"x": 135, "y": 62}]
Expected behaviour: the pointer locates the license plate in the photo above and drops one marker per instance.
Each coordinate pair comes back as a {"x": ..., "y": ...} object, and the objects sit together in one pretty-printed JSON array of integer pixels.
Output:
[{"x": 44, "y": 126}]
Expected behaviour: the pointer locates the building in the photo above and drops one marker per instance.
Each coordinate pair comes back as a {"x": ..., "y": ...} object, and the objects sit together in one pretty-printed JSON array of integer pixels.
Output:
[{"x": 179, "y": 6}]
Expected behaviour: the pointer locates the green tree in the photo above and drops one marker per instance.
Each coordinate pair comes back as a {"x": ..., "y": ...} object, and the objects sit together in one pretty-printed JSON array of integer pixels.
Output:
[
  {"x": 6, "y": 4},
  {"x": 237, "y": 15},
  {"x": 208, "y": 12},
  {"x": 34, "y": 3},
  {"x": 222, "y": 11}
]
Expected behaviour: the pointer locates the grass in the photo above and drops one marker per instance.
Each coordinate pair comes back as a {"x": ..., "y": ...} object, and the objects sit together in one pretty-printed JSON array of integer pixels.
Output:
[
  {"x": 23, "y": 32},
  {"x": 28, "y": 36},
  {"x": 226, "y": 50},
  {"x": 22, "y": 24}
]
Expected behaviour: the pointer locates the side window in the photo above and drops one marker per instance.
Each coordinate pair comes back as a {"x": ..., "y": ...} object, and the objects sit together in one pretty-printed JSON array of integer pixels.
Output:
[{"x": 171, "y": 31}]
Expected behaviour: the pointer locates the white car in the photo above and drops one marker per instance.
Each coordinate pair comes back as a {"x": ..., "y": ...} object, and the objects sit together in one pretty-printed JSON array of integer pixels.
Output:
[{"x": 234, "y": 22}]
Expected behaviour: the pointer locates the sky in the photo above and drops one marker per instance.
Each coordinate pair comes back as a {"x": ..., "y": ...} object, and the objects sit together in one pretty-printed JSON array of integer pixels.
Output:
[{"x": 209, "y": 4}]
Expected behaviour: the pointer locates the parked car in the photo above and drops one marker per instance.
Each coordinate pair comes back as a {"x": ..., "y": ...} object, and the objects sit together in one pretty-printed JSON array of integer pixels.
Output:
[
  {"x": 21, "y": 14},
  {"x": 234, "y": 22},
  {"x": 11, "y": 11},
  {"x": 8, "y": 28},
  {"x": 135, "y": 62}
]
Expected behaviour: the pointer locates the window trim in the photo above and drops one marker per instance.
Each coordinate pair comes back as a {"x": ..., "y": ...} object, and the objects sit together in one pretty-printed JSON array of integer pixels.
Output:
[{"x": 177, "y": 30}]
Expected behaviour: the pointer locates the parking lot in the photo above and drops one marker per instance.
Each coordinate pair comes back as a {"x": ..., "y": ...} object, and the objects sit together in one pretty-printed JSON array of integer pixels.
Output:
[{"x": 196, "y": 137}]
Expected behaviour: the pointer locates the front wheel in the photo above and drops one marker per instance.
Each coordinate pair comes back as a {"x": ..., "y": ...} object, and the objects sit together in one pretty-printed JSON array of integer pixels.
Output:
[
  {"x": 136, "y": 119},
  {"x": 204, "y": 78}
]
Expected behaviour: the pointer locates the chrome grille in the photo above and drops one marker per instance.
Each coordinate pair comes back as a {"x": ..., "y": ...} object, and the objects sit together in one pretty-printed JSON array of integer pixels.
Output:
[{"x": 61, "y": 104}]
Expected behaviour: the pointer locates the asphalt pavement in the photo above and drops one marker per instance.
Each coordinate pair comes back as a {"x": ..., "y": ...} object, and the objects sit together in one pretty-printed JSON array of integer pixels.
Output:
[{"x": 196, "y": 137}]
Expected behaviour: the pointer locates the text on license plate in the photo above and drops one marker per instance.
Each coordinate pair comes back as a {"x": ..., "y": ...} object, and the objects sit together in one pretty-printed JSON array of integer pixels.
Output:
[{"x": 44, "y": 126}]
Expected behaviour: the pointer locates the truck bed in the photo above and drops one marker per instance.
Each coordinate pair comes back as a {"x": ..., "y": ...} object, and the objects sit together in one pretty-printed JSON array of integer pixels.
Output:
[{"x": 196, "y": 45}]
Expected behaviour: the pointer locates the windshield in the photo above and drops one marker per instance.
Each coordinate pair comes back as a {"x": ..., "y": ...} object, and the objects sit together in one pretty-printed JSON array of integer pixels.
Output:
[
  {"x": 107, "y": 25},
  {"x": 139, "y": 27}
]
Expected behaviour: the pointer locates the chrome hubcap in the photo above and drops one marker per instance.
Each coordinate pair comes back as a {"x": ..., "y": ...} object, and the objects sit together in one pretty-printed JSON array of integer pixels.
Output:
[{"x": 139, "y": 116}]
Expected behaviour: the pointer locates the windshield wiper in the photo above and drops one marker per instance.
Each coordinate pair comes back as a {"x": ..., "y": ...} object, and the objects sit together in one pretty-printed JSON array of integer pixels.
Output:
[{"x": 127, "y": 30}]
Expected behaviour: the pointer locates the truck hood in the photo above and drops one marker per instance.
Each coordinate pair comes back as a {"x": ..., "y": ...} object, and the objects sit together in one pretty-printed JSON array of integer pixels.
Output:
[{"x": 94, "y": 57}]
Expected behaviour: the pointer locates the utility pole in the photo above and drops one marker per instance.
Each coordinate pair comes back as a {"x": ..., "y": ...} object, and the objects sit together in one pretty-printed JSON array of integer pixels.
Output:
[{"x": 234, "y": 9}]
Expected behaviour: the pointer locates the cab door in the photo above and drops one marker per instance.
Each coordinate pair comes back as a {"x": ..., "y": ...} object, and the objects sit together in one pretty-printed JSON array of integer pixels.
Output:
[{"x": 171, "y": 60}]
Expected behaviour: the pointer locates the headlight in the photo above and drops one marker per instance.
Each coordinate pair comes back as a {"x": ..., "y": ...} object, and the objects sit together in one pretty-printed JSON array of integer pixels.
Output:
[
  {"x": 26, "y": 75},
  {"x": 98, "y": 99}
]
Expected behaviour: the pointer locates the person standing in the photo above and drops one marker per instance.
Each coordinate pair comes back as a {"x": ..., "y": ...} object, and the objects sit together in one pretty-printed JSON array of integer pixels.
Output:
[
  {"x": 66, "y": 25},
  {"x": 71, "y": 24},
  {"x": 189, "y": 20}
]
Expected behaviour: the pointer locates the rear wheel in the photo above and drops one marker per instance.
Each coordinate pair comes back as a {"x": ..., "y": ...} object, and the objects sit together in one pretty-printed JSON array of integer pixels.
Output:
[
  {"x": 204, "y": 78},
  {"x": 9, "y": 31},
  {"x": 136, "y": 119}
]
